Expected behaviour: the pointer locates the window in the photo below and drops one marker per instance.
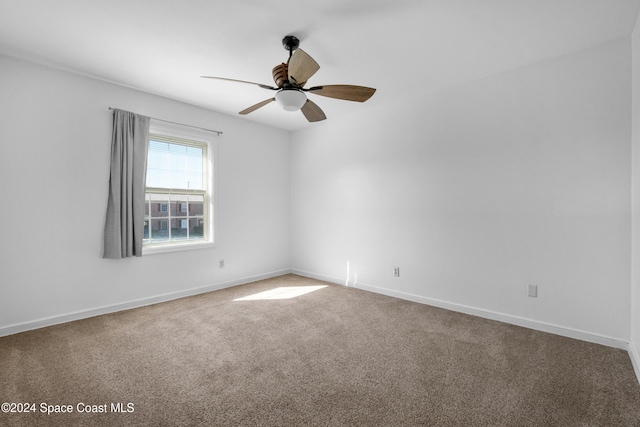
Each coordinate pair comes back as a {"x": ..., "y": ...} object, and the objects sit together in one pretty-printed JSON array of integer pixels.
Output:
[{"x": 178, "y": 201}]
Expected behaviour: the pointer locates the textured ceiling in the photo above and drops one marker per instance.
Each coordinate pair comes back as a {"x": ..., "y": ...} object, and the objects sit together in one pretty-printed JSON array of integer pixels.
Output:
[{"x": 403, "y": 48}]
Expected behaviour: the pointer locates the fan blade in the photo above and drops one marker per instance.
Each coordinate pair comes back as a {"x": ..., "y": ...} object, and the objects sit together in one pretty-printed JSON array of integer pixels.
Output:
[
  {"x": 255, "y": 107},
  {"x": 312, "y": 112},
  {"x": 241, "y": 81},
  {"x": 301, "y": 67},
  {"x": 346, "y": 92}
]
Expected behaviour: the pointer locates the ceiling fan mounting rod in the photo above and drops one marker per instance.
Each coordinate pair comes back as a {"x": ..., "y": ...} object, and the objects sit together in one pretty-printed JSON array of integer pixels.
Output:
[{"x": 290, "y": 43}]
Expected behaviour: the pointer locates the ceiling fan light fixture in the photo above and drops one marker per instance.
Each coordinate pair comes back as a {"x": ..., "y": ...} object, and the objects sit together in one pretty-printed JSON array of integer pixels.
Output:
[{"x": 291, "y": 99}]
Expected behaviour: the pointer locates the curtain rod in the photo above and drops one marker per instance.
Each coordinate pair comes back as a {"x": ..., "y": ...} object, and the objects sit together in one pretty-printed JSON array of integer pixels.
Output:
[{"x": 175, "y": 123}]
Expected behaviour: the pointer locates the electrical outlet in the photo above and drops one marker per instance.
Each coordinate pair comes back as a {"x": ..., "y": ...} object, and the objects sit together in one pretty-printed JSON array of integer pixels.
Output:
[
  {"x": 396, "y": 272},
  {"x": 221, "y": 263},
  {"x": 533, "y": 291}
]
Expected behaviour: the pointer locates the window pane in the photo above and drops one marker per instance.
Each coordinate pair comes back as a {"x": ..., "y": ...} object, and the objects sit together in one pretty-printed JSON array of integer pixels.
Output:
[
  {"x": 159, "y": 231},
  {"x": 158, "y": 205},
  {"x": 175, "y": 166},
  {"x": 196, "y": 228},
  {"x": 178, "y": 200},
  {"x": 196, "y": 206}
]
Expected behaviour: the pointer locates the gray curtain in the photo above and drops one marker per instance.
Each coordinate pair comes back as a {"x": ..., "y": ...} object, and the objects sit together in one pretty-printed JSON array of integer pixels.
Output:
[{"x": 124, "y": 227}]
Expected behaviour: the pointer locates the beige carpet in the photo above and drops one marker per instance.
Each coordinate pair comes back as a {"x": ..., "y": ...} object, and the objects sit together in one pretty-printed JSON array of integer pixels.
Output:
[{"x": 334, "y": 356}]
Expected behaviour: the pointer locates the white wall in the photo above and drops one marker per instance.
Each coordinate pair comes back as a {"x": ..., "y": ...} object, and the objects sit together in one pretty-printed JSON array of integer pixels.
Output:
[
  {"x": 479, "y": 190},
  {"x": 54, "y": 168},
  {"x": 635, "y": 253}
]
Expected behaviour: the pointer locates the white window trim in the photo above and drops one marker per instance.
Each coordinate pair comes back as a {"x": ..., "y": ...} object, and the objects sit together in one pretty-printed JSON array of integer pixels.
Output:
[{"x": 211, "y": 140}]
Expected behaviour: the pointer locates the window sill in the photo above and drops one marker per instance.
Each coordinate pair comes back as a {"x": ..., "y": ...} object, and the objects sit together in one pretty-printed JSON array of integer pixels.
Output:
[{"x": 176, "y": 247}]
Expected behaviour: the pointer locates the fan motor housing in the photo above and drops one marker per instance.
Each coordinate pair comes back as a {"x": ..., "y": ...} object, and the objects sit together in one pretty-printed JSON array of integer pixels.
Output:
[{"x": 281, "y": 74}]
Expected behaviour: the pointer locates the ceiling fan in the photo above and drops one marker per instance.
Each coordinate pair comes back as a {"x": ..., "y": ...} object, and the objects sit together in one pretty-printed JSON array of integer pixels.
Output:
[{"x": 290, "y": 79}]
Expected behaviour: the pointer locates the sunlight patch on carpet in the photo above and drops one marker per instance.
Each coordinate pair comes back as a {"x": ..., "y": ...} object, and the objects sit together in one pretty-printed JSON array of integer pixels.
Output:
[{"x": 284, "y": 292}]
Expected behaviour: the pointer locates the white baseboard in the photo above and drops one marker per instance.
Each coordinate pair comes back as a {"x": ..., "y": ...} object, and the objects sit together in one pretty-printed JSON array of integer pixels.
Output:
[
  {"x": 506, "y": 318},
  {"x": 84, "y": 314},
  {"x": 322, "y": 277},
  {"x": 635, "y": 359}
]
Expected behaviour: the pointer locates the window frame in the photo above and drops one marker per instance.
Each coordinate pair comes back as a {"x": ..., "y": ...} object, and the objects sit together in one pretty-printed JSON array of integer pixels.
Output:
[{"x": 184, "y": 135}]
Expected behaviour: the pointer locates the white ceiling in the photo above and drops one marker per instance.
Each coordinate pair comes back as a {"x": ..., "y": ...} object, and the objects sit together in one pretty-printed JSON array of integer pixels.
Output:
[{"x": 403, "y": 48}]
